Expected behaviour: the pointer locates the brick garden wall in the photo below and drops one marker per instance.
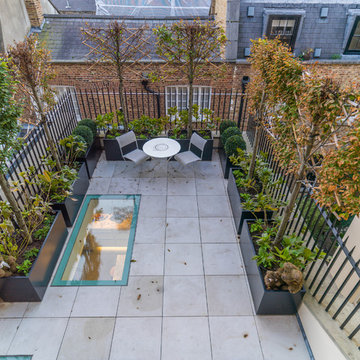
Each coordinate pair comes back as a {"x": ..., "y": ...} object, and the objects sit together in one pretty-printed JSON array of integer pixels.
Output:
[{"x": 85, "y": 75}]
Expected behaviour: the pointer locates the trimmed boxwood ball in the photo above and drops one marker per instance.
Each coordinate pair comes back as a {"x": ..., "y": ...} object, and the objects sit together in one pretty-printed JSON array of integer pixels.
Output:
[
  {"x": 226, "y": 124},
  {"x": 90, "y": 124},
  {"x": 234, "y": 142},
  {"x": 229, "y": 132},
  {"x": 84, "y": 132}
]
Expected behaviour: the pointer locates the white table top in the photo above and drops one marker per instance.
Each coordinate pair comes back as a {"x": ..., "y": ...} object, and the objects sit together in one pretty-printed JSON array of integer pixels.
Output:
[{"x": 161, "y": 147}]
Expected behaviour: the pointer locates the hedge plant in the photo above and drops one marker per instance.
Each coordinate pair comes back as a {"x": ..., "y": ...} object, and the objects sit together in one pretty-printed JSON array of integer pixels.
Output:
[
  {"x": 90, "y": 124},
  {"x": 229, "y": 132},
  {"x": 226, "y": 124},
  {"x": 233, "y": 143},
  {"x": 85, "y": 133}
]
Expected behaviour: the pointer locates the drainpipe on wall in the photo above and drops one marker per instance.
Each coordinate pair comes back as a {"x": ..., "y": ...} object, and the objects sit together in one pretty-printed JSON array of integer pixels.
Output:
[{"x": 145, "y": 84}]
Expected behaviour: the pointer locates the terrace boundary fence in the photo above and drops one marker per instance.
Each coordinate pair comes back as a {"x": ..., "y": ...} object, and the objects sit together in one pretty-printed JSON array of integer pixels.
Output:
[
  {"x": 93, "y": 101},
  {"x": 334, "y": 280},
  {"x": 61, "y": 121}
]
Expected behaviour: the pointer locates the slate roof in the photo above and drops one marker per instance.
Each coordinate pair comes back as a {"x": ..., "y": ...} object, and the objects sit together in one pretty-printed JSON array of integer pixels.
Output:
[{"x": 62, "y": 35}]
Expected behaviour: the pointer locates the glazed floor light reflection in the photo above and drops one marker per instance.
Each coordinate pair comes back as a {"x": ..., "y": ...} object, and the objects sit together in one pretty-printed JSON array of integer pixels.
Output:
[{"x": 100, "y": 247}]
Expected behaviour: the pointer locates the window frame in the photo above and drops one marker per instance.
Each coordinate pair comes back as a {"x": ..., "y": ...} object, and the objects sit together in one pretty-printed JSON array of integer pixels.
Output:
[
  {"x": 201, "y": 88},
  {"x": 295, "y": 33},
  {"x": 347, "y": 51}
]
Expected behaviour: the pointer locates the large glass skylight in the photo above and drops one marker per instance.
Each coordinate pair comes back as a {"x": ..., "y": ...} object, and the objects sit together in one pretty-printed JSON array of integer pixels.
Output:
[{"x": 153, "y": 8}]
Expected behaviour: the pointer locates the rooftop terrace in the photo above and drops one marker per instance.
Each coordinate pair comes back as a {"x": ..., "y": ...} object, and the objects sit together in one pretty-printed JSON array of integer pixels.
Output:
[{"x": 187, "y": 295}]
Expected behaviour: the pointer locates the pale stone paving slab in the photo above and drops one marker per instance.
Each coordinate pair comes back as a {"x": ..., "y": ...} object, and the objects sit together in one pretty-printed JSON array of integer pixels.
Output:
[
  {"x": 150, "y": 231},
  {"x": 136, "y": 339},
  {"x": 147, "y": 259},
  {"x": 217, "y": 230},
  {"x": 57, "y": 302},
  {"x": 183, "y": 259},
  {"x": 90, "y": 302},
  {"x": 40, "y": 337},
  {"x": 179, "y": 186},
  {"x": 143, "y": 296},
  {"x": 87, "y": 339},
  {"x": 8, "y": 328},
  {"x": 182, "y": 206},
  {"x": 184, "y": 296},
  {"x": 186, "y": 338},
  {"x": 235, "y": 337},
  {"x": 182, "y": 230}
]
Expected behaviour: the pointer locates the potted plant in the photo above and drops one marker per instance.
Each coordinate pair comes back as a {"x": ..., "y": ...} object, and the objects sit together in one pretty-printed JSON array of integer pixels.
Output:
[
  {"x": 93, "y": 152},
  {"x": 250, "y": 198},
  {"x": 27, "y": 263},
  {"x": 179, "y": 133},
  {"x": 230, "y": 147},
  {"x": 274, "y": 273}
]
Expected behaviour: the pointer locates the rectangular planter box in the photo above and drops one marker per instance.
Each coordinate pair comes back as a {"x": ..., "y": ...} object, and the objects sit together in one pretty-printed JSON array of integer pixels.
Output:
[
  {"x": 71, "y": 205},
  {"x": 92, "y": 157},
  {"x": 239, "y": 213},
  {"x": 33, "y": 286},
  {"x": 225, "y": 164},
  {"x": 266, "y": 302}
]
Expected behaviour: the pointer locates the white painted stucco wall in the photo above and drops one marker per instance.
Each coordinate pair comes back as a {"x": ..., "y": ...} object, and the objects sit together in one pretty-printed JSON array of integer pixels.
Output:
[{"x": 15, "y": 23}]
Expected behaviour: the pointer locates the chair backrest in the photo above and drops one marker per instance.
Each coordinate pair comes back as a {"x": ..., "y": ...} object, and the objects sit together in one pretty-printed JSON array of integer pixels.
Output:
[
  {"x": 127, "y": 142},
  {"x": 199, "y": 143}
]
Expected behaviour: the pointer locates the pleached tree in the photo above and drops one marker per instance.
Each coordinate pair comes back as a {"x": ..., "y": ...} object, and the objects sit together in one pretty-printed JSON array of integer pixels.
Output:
[
  {"x": 30, "y": 61},
  {"x": 192, "y": 49},
  {"x": 120, "y": 46}
]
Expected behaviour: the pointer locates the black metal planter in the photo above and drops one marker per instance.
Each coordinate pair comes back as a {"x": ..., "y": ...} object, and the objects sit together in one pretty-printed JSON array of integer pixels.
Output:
[
  {"x": 33, "y": 286},
  {"x": 239, "y": 213},
  {"x": 225, "y": 163},
  {"x": 92, "y": 156},
  {"x": 71, "y": 205},
  {"x": 266, "y": 302}
]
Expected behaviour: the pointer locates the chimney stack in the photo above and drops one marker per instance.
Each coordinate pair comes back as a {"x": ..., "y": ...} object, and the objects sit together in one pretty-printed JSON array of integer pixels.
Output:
[{"x": 35, "y": 12}]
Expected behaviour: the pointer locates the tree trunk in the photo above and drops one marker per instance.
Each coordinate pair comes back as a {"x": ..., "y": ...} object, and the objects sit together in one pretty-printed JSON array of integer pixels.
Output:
[
  {"x": 300, "y": 176},
  {"x": 254, "y": 152},
  {"x": 50, "y": 141},
  {"x": 190, "y": 112},
  {"x": 48, "y": 136},
  {"x": 14, "y": 206},
  {"x": 122, "y": 103}
]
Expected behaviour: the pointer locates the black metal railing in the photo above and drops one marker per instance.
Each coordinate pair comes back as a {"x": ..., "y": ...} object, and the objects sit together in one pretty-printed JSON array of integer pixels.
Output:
[
  {"x": 61, "y": 121},
  {"x": 333, "y": 280},
  {"x": 225, "y": 103}
]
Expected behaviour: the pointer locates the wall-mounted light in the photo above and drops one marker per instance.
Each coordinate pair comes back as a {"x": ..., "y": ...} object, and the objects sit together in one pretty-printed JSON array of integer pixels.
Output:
[
  {"x": 324, "y": 12},
  {"x": 250, "y": 11}
]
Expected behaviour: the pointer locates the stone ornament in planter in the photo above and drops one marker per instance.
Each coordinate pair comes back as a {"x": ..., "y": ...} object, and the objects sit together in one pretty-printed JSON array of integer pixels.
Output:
[
  {"x": 266, "y": 302},
  {"x": 239, "y": 213},
  {"x": 33, "y": 287}
]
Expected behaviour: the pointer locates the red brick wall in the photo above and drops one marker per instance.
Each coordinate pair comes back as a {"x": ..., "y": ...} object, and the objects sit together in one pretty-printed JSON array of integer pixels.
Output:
[
  {"x": 87, "y": 75},
  {"x": 35, "y": 13}
]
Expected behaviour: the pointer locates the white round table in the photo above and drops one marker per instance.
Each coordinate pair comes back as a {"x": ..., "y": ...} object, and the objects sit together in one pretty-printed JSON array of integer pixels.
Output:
[{"x": 161, "y": 148}]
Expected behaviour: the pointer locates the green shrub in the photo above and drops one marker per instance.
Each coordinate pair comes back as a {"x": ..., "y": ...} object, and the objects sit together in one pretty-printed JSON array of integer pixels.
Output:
[
  {"x": 226, "y": 124},
  {"x": 234, "y": 142},
  {"x": 85, "y": 132},
  {"x": 229, "y": 132},
  {"x": 90, "y": 124}
]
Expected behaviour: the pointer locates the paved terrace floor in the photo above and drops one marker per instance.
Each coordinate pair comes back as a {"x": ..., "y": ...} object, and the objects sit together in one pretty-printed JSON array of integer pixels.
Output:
[{"x": 195, "y": 302}]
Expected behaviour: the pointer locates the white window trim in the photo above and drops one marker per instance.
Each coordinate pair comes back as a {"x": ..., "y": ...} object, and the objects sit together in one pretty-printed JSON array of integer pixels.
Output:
[{"x": 167, "y": 92}]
